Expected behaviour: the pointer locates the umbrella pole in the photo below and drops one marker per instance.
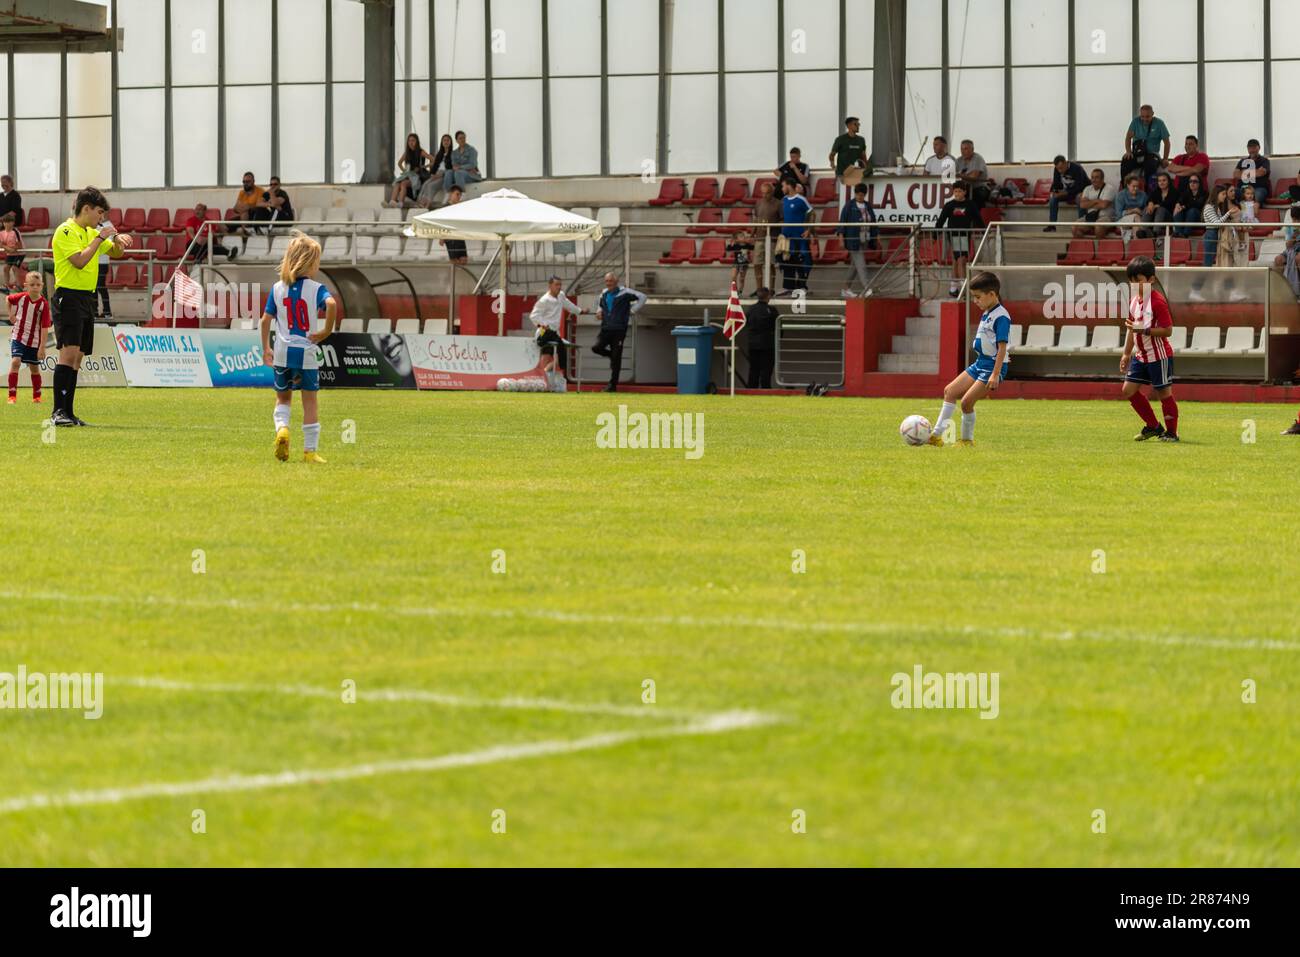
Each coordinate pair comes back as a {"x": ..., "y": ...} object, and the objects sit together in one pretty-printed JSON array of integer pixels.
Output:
[{"x": 501, "y": 260}]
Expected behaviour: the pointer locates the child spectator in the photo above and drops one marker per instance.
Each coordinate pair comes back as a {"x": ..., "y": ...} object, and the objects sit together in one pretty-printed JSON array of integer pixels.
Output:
[{"x": 11, "y": 244}]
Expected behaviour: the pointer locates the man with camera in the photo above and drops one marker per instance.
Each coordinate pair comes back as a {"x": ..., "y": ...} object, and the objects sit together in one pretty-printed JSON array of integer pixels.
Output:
[{"x": 1146, "y": 145}]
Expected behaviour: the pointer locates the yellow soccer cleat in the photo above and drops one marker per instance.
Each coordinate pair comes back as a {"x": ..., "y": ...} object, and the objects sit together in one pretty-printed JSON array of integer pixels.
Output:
[
  {"x": 965, "y": 441},
  {"x": 313, "y": 457},
  {"x": 935, "y": 439},
  {"x": 282, "y": 444}
]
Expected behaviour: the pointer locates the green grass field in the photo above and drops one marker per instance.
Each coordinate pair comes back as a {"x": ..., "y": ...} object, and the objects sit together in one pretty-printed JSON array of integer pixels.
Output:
[{"x": 522, "y": 692}]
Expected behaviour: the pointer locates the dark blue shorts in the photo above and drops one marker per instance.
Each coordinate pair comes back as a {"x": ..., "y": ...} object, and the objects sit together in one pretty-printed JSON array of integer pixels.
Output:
[
  {"x": 305, "y": 380},
  {"x": 1159, "y": 375},
  {"x": 26, "y": 353}
]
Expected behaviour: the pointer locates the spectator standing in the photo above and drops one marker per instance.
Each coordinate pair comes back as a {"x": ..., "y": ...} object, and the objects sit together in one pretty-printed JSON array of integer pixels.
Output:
[
  {"x": 1220, "y": 213},
  {"x": 11, "y": 246},
  {"x": 1190, "y": 160},
  {"x": 1252, "y": 170},
  {"x": 412, "y": 167},
  {"x": 958, "y": 216},
  {"x": 793, "y": 169},
  {"x": 1068, "y": 181},
  {"x": 1144, "y": 141},
  {"x": 10, "y": 199},
  {"x": 741, "y": 248},
  {"x": 456, "y": 250},
  {"x": 766, "y": 210},
  {"x": 1130, "y": 204},
  {"x": 974, "y": 172},
  {"x": 849, "y": 150},
  {"x": 464, "y": 165},
  {"x": 103, "y": 307},
  {"x": 941, "y": 163},
  {"x": 1096, "y": 206},
  {"x": 859, "y": 236},
  {"x": 795, "y": 210},
  {"x": 1191, "y": 201},
  {"x": 760, "y": 333},
  {"x": 616, "y": 307}
]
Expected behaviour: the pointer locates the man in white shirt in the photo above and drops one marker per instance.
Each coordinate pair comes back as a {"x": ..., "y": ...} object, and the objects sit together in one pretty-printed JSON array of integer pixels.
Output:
[
  {"x": 941, "y": 164},
  {"x": 547, "y": 316},
  {"x": 1096, "y": 207}
]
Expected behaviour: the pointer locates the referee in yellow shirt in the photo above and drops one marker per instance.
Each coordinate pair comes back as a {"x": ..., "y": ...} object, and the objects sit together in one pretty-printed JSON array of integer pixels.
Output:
[{"x": 78, "y": 243}]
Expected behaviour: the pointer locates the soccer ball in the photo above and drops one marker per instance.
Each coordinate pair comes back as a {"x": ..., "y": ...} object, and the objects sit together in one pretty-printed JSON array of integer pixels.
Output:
[{"x": 915, "y": 430}]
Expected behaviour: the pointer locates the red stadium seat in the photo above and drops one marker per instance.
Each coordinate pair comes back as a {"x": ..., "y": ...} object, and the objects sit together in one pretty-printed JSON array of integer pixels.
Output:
[
  {"x": 158, "y": 220},
  {"x": 671, "y": 190},
  {"x": 1279, "y": 187},
  {"x": 736, "y": 218},
  {"x": 705, "y": 222},
  {"x": 826, "y": 191},
  {"x": 831, "y": 214},
  {"x": 1020, "y": 183},
  {"x": 711, "y": 251},
  {"x": 683, "y": 251},
  {"x": 156, "y": 243},
  {"x": 703, "y": 192},
  {"x": 1180, "y": 251},
  {"x": 115, "y": 217},
  {"x": 124, "y": 277},
  {"x": 1141, "y": 247},
  {"x": 930, "y": 251},
  {"x": 176, "y": 246},
  {"x": 1078, "y": 253},
  {"x": 1110, "y": 252},
  {"x": 38, "y": 218},
  {"x": 231, "y": 215},
  {"x": 179, "y": 220},
  {"x": 1267, "y": 215},
  {"x": 212, "y": 216},
  {"x": 133, "y": 220},
  {"x": 733, "y": 191},
  {"x": 1041, "y": 194},
  {"x": 753, "y": 198},
  {"x": 833, "y": 252}
]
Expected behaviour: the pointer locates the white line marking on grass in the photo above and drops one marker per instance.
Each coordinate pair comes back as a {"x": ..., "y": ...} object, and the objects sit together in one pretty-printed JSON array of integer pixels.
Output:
[
  {"x": 414, "y": 694},
  {"x": 677, "y": 621},
  {"x": 719, "y": 723}
]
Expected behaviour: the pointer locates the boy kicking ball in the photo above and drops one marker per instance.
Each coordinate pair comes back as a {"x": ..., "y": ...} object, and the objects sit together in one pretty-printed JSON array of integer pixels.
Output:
[
  {"x": 294, "y": 307},
  {"x": 1148, "y": 357},
  {"x": 992, "y": 348},
  {"x": 29, "y": 313}
]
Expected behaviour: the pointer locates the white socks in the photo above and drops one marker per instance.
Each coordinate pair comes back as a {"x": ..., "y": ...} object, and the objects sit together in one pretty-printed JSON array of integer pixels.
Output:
[
  {"x": 310, "y": 437},
  {"x": 945, "y": 416},
  {"x": 968, "y": 426},
  {"x": 281, "y": 416}
]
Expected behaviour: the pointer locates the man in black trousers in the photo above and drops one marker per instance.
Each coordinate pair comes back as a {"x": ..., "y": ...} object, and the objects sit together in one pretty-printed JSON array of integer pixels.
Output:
[
  {"x": 615, "y": 308},
  {"x": 760, "y": 323}
]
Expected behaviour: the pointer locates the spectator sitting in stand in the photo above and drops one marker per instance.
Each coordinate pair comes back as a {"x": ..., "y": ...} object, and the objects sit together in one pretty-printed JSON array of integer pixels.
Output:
[
  {"x": 1252, "y": 170},
  {"x": 793, "y": 169},
  {"x": 412, "y": 166},
  {"x": 437, "y": 172},
  {"x": 251, "y": 205},
  {"x": 1160, "y": 205},
  {"x": 972, "y": 169},
  {"x": 1068, "y": 181},
  {"x": 941, "y": 164},
  {"x": 1096, "y": 207},
  {"x": 1191, "y": 201},
  {"x": 194, "y": 228},
  {"x": 1130, "y": 204},
  {"x": 463, "y": 168},
  {"x": 1190, "y": 160}
]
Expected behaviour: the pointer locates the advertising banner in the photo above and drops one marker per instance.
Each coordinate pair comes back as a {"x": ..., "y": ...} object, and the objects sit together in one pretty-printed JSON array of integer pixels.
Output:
[
  {"x": 234, "y": 358},
  {"x": 907, "y": 199},
  {"x": 365, "y": 360},
  {"x": 101, "y": 367},
  {"x": 170, "y": 358},
  {"x": 471, "y": 362}
]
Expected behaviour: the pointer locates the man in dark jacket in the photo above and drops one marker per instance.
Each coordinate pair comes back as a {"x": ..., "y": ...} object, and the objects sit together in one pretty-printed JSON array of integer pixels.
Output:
[
  {"x": 858, "y": 237},
  {"x": 760, "y": 326},
  {"x": 1068, "y": 181},
  {"x": 615, "y": 308}
]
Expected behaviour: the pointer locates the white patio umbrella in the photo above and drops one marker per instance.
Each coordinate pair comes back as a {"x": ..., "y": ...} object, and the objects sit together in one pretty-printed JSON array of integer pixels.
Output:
[{"x": 507, "y": 216}]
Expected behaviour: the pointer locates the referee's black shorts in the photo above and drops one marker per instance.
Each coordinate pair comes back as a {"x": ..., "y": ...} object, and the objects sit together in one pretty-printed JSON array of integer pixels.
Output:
[{"x": 73, "y": 312}]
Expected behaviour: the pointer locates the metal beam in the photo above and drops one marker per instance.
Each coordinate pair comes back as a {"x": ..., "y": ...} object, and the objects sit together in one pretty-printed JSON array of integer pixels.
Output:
[
  {"x": 889, "y": 78},
  {"x": 168, "y": 126},
  {"x": 275, "y": 88},
  {"x": 115, "y": 134},
  {"x": 722, "y": 87},
  {"x": 1071, "y": 87},
  {"x": 781, "y": 136},
  {"x": 489, "y": 106},
  {"x": 221, "y": 92},
  {"x": 604, "y": 91},
  {"x": 379, "y": 92}
]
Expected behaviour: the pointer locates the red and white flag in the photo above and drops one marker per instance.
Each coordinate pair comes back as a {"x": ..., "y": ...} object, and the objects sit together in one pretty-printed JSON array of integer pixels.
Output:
[
  {"x": 186, "y": 292},
  {"x": 735, "y": 320}
]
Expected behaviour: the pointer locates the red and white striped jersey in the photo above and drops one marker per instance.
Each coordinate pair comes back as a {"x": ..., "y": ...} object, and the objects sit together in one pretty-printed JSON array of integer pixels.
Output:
[
  {"x": 1153, "y": 313},
  {"x": 31, "y": 319}
]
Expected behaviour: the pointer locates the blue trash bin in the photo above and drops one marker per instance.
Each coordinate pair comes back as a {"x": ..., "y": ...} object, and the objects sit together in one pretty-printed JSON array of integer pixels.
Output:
[{"x": 694, "y": 358}]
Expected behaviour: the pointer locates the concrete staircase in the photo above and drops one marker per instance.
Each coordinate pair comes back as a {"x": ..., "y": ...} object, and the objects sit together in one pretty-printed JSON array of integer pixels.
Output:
[{"x": 917, "y": 351}]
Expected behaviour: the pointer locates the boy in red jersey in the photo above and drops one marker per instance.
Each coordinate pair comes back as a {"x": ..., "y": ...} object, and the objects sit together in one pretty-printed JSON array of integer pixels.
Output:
[
  {"x": 30, "y": 314},
  {"x": 1148, "y": 357}
]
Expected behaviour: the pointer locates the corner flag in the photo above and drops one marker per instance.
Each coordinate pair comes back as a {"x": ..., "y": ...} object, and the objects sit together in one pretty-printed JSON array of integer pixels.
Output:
[{"x": 735, "y": 320}]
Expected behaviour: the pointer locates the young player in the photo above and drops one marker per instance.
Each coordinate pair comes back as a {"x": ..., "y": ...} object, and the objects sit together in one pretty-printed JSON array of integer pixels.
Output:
[
  {"x": 1148, "y": 357},
  {"x": 294, "y": 306},
  {"x": 992, "y": 347},
  {"x": 29, "y": 313}
]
